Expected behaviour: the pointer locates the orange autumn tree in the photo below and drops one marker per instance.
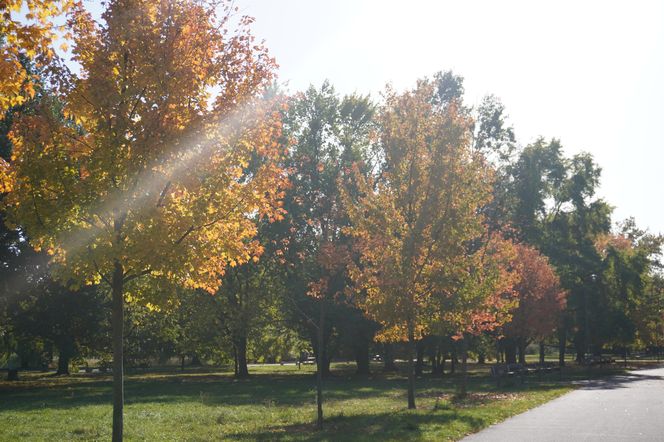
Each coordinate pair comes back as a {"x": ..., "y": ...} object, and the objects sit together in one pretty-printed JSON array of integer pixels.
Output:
[
  {"x": 26, "y": 30},
  {"x": 411, "y": 224},
  {"x": 482, "y": 294},
  {"x": 541, "y": 299},
  {"x": 161, "y": 160}
]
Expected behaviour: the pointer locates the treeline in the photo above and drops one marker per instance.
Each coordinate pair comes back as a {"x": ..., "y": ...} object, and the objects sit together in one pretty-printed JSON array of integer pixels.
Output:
[
  {"x": 167, "y": 200},
  {"x": 564, "y": 275}
]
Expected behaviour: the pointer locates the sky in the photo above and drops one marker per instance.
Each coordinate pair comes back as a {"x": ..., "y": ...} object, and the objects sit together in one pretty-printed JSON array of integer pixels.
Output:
[{"x": 590, "y": 73}]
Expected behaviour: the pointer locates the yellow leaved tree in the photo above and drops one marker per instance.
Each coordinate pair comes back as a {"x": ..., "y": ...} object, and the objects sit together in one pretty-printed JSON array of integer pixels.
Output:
[
  {"x": 157, "y": 157},
  {"x": 26, "y": 29},
  {"x": 413, "y": 223}
]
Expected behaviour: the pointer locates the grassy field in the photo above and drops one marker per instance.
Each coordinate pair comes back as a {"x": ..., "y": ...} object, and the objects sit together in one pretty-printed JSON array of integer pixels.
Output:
[{"x": 276, "y": 403}]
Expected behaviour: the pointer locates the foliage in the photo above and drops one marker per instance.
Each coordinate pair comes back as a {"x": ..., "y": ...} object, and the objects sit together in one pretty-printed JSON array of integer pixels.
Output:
[
  {"x": 145, "y": 162},
  {"x": 411, "y": 222},
  {"x": 27, "y": 29},
  {"x": 540, "y": 298}
]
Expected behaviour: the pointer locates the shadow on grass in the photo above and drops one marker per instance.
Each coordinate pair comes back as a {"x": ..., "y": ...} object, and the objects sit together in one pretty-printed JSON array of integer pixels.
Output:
[
  {"x": 403, "y": 425},
  {"x": 295, "y": 389}
]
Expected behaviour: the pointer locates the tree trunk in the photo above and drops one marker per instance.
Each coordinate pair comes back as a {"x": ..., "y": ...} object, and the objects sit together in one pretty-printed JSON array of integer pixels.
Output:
[
  {"x": 12, "y": 374},
  {"x": 522, "y": 352},
  {"x": 411, "y": 368},
  {"x": 65, "y": 353},
  {"x": 182, "y": 363},
  {"x": 235, "y": 365},
  {"x": 63, "y": 365},
  {"x": 241, "y": 352},
  {"x": 541, "y": 353},
  {"x": 362, "y": 357},
  {"x": 562, "y": 343},
  {"x": 319, "y": 368},
  {"x": 464, "y": 367},
  {"x": 453, "y": 361},
  {"x": 388, "y": 358},
  {"x": 580, "y": 355},
  {"x": 118, "y": 369},
  {"x": 510, "y": 352},
  {"x": 419, "y": 364}
]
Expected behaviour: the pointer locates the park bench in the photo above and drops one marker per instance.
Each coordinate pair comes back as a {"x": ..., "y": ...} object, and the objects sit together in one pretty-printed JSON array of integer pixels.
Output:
[
  {"x": 597, "y": 360},
  {"x": 506, "y": 371}
]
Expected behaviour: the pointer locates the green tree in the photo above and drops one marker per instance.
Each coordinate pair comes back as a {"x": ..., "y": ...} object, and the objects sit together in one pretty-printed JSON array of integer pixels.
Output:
[{"x": 331, "y": 137}]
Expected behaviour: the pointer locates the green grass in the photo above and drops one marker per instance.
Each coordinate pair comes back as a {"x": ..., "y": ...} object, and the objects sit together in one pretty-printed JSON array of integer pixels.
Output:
[{"x": 276, "y": 403}]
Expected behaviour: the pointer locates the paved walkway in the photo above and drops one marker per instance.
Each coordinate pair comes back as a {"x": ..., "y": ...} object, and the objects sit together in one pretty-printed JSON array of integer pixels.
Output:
[{"x": 622, "y": 408}]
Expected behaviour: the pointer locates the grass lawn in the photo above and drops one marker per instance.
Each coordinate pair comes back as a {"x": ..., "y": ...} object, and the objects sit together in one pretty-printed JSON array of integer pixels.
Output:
[{"x": 276, "y": 403}]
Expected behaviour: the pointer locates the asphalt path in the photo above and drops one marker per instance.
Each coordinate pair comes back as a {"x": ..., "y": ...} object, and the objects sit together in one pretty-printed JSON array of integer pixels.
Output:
[{"x": 629, "y": 407}]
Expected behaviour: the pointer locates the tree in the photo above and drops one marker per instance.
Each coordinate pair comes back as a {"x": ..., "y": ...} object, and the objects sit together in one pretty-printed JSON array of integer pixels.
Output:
[
  {"x": 629, "y": 259},
  {"x": 26, "y": 30},
  {"x": 247, "y": 300},
  {"x": 553, "y": 208},
  {"x": 74, "y": 322},
  {"x": 411, "y": 223},
  {"x": 144, "y": 172},
  {"x": 330, "y": 135},
  {"x": 540, "y": 301}
]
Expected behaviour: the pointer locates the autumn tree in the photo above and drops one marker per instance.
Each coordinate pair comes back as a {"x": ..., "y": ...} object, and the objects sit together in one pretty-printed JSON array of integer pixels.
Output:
[
  {"x": 143, "y": 173},
  {"x": 411, "y": 223},
  {"x": 480, "y": 294},
  {"x": 27, "y": 30},
  {"x": 540, "y": 300}
]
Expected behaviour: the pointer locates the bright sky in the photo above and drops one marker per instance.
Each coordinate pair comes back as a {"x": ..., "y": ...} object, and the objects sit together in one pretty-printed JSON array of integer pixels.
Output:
[{"x": 588, "y": 72}]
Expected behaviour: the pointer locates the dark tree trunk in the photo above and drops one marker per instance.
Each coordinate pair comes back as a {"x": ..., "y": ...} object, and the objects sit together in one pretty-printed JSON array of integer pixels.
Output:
[
  {"x": 464, "y": 367},
  {"x": 362, "y": 357},
  {"x": 453, "y": 361},
  {"x": 241, "y": 353},
  {"x": 522, "y": 352},
  {"x": 63, "y": 365},
  {"x": 436, "y": 368},
  {"x": 65, "y": 353},
  {"x": 481, "y": 358},
  {"x": 562, "y": 343},
  {"x": 320, "y": 347},
  {"x": 182, "y": 363},
  {"x": 388, "y": 358},
  {"x": 580, "y": 355},
  {"x": 510, "y": 352},
  {"x": 419, "y": 364},
  {"x": 12, "y": 374},
  {"x": 195, "y": 361},
  {"x": 319, "y": 368},
  {"x": 118, "y": 369},
  {"x": 411, "y": 368},
  {"x": 541, "y": 353}
]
